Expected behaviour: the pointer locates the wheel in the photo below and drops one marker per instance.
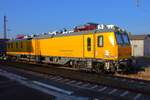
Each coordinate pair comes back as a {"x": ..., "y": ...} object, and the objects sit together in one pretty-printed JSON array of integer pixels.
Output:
[{"x": 99, "y": 68}]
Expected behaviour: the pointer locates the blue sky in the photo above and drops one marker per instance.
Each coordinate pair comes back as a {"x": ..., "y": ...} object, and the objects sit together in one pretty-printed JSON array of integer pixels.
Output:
[{"x": 36, "y": 16}]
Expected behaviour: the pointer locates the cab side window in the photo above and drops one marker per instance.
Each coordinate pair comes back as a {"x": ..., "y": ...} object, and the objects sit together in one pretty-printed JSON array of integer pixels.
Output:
[
  {"x": 89, "y": 44},
  {"x": 8, "y": 45},
  {"x": 21, "y": 45},
  {"x": 11, "y": 45},
  {"x": 16, "y": 45},
  {"x": 100, "y": 41}
]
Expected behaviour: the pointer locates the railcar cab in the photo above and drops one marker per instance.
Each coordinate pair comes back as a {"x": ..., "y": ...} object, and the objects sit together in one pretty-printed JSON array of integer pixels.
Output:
[
  {"x": 124, "y": 47},
  {"x": 124, "y": 50},
  {"x": 113, "y": 48}
]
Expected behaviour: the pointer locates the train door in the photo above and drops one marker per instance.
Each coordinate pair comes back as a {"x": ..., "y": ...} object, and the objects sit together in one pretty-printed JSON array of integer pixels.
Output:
[
  {"x": 89, "y": 46},
  {"x": 99, "y": 43}
]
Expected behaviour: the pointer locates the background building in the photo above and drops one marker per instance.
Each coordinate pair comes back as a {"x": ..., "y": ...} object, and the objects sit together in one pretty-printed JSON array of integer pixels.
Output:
[{"x": 140, "y": 45}]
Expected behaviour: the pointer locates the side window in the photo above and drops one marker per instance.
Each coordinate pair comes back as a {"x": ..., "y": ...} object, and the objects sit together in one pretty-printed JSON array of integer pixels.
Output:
[
  {"x": 11, "y": 45},
  {"x": 16, "y": 44},
  {"x": 8, "y": 45},
  {"x": 100, "y": 41},
  {"x": 21, "y": 45},
  {"x": 89, "y": 44}
]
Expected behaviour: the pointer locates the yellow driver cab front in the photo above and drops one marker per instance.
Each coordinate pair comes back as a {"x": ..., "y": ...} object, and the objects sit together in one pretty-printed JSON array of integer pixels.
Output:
[{"x": 124, "y": 49}]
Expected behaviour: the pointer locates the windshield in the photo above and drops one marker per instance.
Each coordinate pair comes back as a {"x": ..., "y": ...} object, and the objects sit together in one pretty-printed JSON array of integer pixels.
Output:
[
  {"x": 125, "y": 39},
  {"x": 119, "y": 38},
  {"x": 122, "y": 38}
]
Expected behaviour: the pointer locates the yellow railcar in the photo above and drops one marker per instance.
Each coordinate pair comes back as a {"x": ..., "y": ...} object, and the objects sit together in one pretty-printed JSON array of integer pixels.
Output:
[{"x": 91, "y": 50}]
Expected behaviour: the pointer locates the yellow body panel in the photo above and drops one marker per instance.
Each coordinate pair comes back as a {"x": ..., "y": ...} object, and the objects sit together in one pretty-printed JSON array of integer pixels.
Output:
[
  {"x": 26, "y": 47},
  {"x": 66, "y": 46},
  {"x": 109, "y": 49},
  {"x": 19, "y": 53},
  {"x": 124, "y": 52}
]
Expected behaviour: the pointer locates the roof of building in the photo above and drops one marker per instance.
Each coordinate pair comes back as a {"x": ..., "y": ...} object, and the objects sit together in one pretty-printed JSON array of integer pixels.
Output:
[{"x": 139, "y": 37}]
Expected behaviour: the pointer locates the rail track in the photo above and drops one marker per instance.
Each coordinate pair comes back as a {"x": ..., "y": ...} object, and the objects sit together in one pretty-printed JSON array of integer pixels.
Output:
[{"x": 125, "y": 88}]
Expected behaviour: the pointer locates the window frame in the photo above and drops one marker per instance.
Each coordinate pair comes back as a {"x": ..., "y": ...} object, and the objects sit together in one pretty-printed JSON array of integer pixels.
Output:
[
  {"x": 11, "y": 45},
  {"x": 89, "y": 44},
  {"x": 98, "y": 41},
  {"x": 21, "y": 44},
  {"x": 17, "y": 45},
  {"x": 8, "y": 45},
  {"x": 125, "y": 35},
  {"x": 121, "y": 38}
]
